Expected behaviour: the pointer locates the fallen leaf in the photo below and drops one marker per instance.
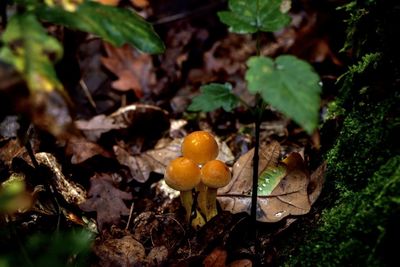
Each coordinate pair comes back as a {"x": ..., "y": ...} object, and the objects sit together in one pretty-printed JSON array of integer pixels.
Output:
[
  {"x": 216, "y": 258},
  {"x": 241, "y": 182},
  {"x": 157, "y": 256},
  {"x": 72, "y": 193},
  {"x": 139, "y": 166},
  {"x": 316, "y": 183},
  {"x": 134, "y": 70},
  {"x": 282, "y": 186},
  {"x": 11, "y": 149},
  {"x": 145, "y": 119},
  {"x": 98, "y": 125},
  {"x": 125, "y": 251},
  {"x": 82, "y": 149},
  {"x": 155, "y": 160},
  {"x": 106, "y": 200},
  {"x": 241, "y": 263}
]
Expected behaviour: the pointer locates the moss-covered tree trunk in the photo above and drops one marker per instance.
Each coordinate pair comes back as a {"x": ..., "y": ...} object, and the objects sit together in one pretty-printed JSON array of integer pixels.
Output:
[{"x": 360, "y": 218}]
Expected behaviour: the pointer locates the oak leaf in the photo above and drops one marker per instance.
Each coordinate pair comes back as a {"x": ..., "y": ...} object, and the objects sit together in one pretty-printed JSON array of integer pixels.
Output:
[
  {"x": 134, "y": 70},
  {"x": 106, "y": 200}
]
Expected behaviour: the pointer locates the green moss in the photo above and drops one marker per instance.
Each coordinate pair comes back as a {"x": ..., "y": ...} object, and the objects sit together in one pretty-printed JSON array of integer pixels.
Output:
[
  {"x": 357, "y": 228},
  {"x": 362, "y": 145}
]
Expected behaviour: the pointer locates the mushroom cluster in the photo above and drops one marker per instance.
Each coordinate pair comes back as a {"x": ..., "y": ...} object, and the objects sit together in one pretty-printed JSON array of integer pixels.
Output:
[{"x": 198, "y": 171}]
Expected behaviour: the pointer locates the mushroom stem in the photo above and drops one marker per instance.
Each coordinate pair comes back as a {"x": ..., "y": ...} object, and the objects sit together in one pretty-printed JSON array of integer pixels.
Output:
[
  {"x": 202, "y": 198},
  {"x": 187, "y": 203},
  {"x": 211, "y": 203},
  {"x": 198, "y": 221}
]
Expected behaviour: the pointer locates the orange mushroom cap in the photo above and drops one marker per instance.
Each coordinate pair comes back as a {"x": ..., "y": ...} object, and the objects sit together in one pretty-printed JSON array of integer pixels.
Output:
[
  {"x": 215, "y": 174},
  {"x": 200, "y": 146},
  {"x": 182, "y": 174}
]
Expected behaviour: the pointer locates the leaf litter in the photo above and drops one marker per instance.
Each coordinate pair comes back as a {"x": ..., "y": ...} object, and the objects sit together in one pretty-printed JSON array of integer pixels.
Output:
[{"x": 110, "y": 135}]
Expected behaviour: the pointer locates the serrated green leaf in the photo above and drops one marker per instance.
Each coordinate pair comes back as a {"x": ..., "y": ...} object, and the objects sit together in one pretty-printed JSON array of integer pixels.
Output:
[
  {"x": 28, "y": 48},
  {"x": 116, "y": 25},
  {"x": 288, "y": 84},
  {"x": 253, "y": 16},
  {"x": 214, "y": 96},
  {"x": 269, "y": 179}
]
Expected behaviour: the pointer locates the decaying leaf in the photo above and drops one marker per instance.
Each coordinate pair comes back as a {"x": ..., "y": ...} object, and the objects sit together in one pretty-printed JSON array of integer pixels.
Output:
[
  {"x": 106, "y": 200},
  {"x": 11, "y": 149},
  {"x": 283, "y": 187},
  {"x": 134, "y": 70},
  {"x": 125, "y": 251},
  {"x": 147, "y": 119},
  {"x": 82, "y": 149},
  {"x": 72, "y": 193},
  {"x": 216, "y": 258},
  {"x": 139, "y": 165},
  {"x": 157, "y": 256}
]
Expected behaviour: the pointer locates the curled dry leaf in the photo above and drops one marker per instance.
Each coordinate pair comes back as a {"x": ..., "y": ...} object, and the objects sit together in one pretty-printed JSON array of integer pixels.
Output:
[
  {"x": 283, "y": 187},
  {"x": 72, "y": 192},
  {"x": 106, "y": 200},
  {"x": 133, "y": 69},
  {"x": 145, "y": 119}
]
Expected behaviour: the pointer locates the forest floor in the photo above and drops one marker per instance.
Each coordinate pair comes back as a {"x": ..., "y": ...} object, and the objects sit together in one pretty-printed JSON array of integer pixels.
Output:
[{"x": 131, "y": 114}]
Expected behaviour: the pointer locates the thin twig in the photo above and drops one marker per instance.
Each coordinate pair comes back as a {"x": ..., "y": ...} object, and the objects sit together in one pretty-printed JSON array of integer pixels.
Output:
[
  {"x": 130, "y": 217},
  {"x": 87, "y": 93}
]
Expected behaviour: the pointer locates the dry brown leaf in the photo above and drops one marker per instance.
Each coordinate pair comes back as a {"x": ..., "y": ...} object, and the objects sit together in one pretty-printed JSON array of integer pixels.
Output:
[
  {"x": 139, "y": 166},
  {"x": 141, "y": 117},
  {"x": 216, "y": 258},
  {"x": 125, "y": 251},
  {"x": 157, "y": 256},
  {"x": 283, "y": 191},
  {"x": 241, "y": 182},
  {"x": 12, "y": 149},
  {"x": 72, "y": 193},
  {"x": 106, "y": 200},
  {"x": 98, "y": 125},
  {"x": 316, "y": 183},
  {"x": 134, "y": 70},
  {"x": 241, "y": 263},
  {"x": 82, "y": 149}
]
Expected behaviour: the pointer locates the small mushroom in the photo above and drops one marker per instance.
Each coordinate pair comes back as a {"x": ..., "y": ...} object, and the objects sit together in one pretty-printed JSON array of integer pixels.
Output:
[
  {"x": 200, "y": 146},
  {"x": 183, "y": 174},
  {"x": 214, "y": 174}
]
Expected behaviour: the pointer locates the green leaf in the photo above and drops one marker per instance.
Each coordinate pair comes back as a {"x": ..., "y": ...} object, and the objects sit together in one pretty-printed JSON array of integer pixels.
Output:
[
  {"x": 253, "y": 16},
  {"x": 214, "y": 96},
  {"x": 28, "y": 48},
  {"x": 116, "y": 25},
  {"x": 288, "y": 84},
  {"x": 269, "y": 179}
]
